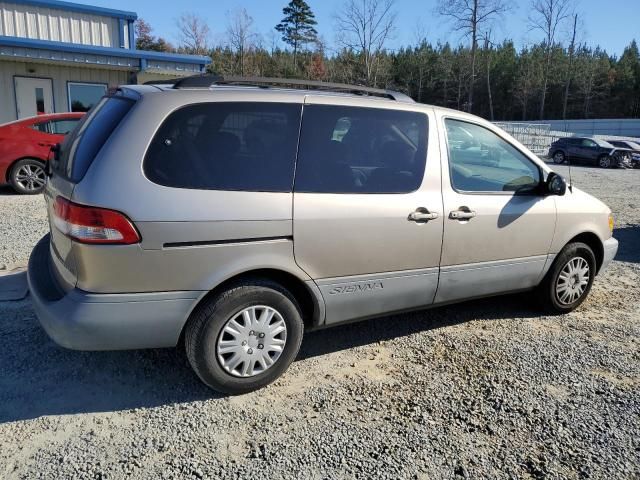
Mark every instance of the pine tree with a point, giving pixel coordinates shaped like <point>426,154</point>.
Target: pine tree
<point>297,26</point>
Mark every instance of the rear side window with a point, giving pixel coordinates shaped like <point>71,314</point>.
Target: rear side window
<point>361,150</point>
<point>226,146</point>
<point>82,145</point>
<point>63,127</point>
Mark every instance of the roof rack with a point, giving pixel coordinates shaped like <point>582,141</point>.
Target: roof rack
<point>207,80</point>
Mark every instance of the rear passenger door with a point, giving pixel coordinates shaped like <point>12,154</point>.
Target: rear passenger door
<point>368,206</point>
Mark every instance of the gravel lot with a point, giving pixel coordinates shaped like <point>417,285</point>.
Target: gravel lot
<point>486,389</point>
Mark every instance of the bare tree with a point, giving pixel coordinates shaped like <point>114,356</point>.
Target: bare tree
<point>572,51</point>
<point>364,26</point>
<point>469,17</point>
<point>240,34</point>
<point>547,17</point>
<point>488,47</point>
<point>193,33</point>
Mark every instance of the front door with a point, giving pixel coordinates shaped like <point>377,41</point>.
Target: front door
<point>499,226</point>
<point>587,152</point>
<point>367,207</point>
<point>34,96</point>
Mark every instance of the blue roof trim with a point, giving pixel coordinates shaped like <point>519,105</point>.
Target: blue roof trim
<point>77,7</point>
<point>112,52</point>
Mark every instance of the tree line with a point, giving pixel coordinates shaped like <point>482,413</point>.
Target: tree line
<point>558,76</point>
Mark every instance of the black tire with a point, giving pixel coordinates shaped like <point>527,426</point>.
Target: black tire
<point>559,157</point>
<point>604,161</point>
<point>31,185</point>
<point>208,320</point>
<point>548,298</point>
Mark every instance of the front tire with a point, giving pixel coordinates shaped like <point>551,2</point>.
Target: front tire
<point>559,157</point>
<point>245,337</point>
<point>569,280</point>
<point>28,176</point>
<point>604,161</point>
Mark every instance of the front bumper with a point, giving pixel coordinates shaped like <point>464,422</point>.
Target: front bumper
<point>86,321</point>
<point>610,250</point>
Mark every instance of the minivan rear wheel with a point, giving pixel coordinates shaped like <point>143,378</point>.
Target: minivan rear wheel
<point>244,338</point>
<point>569,279</point>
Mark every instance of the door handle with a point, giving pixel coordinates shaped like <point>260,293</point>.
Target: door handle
<point>462,214</point>
<point>43,144</point>
<point>422,215</point>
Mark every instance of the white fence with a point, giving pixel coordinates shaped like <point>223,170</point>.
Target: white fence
<point>538,137</point>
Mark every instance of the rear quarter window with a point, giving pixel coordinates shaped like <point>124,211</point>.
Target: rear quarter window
<point>81,146</point>
<point>241,146</point>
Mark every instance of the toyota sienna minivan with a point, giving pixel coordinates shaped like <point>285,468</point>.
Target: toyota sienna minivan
<point>234,214</point>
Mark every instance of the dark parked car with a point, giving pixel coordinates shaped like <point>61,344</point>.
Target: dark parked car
<point>590,151</point>
<point>633,146</point>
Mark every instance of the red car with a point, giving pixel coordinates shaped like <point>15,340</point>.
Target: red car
<point>25,146</point>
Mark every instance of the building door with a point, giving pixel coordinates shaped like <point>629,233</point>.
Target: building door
<point>34,96</point>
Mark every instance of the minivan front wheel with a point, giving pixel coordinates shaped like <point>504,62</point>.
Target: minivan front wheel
<point>245,337</point>
<point>569,280</point>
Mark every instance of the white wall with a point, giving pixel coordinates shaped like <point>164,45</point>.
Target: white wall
<point>58,25</point>
<point>60,75</point>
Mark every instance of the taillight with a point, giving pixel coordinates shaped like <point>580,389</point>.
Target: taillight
<point>92,224</point>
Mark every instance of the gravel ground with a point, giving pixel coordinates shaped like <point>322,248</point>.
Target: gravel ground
<point>23,221</point>
<point>486,389</point>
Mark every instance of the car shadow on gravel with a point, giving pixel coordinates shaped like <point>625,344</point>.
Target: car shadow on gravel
<point>629,243</point>
<point>322,342</point>
<point>40,378</point>
<point>7,190</point>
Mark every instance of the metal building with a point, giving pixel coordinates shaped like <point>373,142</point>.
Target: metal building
<point>58,56</point>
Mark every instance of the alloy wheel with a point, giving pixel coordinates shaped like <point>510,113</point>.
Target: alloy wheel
<point>30,177</point>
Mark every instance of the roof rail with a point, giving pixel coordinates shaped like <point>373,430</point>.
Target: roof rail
<point>207,80</point>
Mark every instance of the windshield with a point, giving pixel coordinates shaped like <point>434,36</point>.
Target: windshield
<point>602,143</point>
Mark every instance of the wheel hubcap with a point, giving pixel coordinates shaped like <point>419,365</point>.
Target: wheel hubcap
<point>251,341</point>
<point>558,157</point>
<point>572,281</point>
<point>30,177</point>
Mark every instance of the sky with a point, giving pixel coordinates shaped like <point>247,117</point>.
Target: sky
<point>612,24</point>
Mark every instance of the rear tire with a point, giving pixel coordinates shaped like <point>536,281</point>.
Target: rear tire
<point>226,329</point>
<point>28,176</point>
<point>569,280</point>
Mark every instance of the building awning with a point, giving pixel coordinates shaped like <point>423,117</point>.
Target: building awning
<point>45,51</point>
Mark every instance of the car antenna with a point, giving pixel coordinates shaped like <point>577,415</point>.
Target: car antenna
<point>570,181</point>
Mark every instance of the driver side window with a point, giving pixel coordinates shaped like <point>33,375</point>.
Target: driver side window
<point>481,161</point>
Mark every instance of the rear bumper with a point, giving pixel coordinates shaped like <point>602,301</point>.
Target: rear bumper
<point>85,321</point>
<point>610,250</point>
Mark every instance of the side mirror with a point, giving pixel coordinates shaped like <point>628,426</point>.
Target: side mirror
<point>556,185</point>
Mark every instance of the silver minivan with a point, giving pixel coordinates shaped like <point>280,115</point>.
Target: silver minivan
<point>234,214</point>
